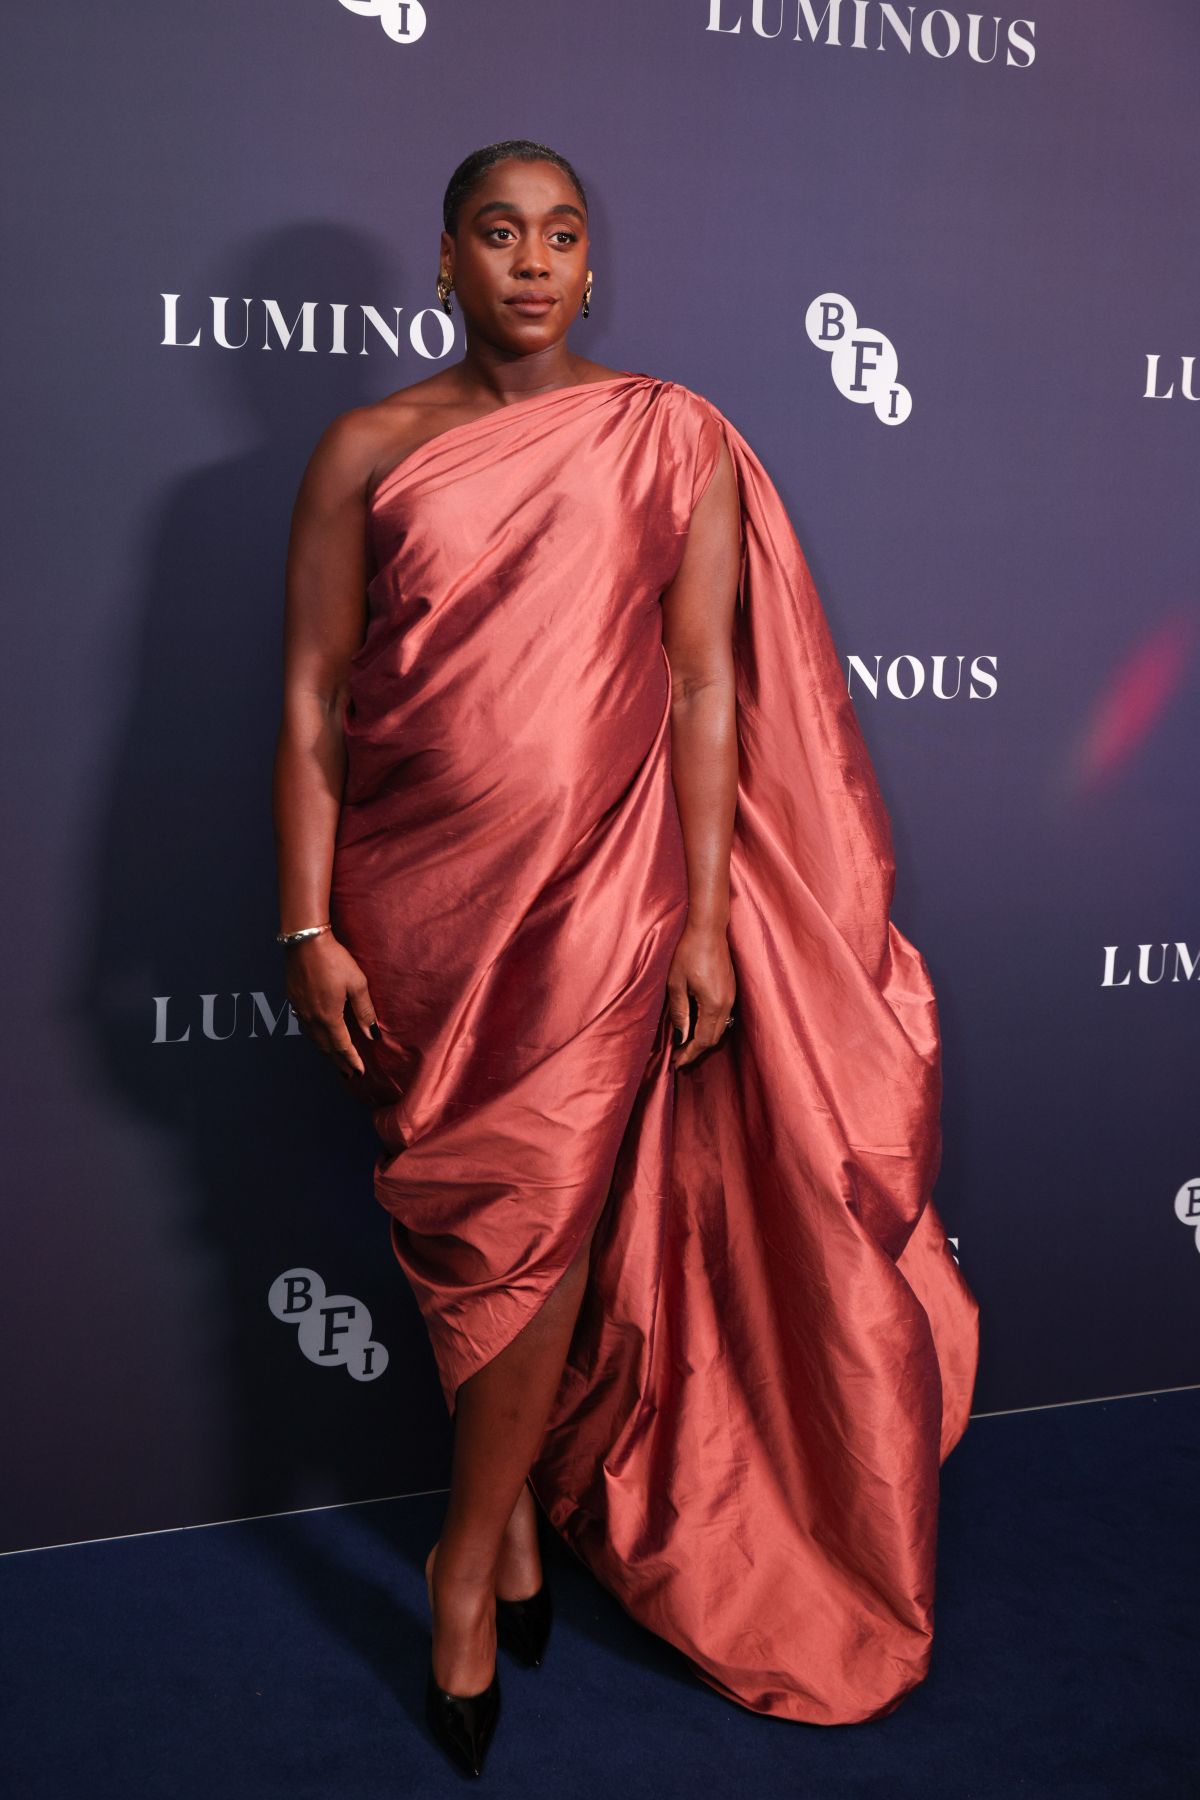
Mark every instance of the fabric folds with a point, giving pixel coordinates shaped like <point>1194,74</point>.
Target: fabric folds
<point>776,1348</point>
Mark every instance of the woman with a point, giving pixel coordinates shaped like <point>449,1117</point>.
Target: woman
<point>567,761</point>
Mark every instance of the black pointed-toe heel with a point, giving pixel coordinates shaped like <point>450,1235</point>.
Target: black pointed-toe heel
<point>463,1723</point>
<point>523,1626</point>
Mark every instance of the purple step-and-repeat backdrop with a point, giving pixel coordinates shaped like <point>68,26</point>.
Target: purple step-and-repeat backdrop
<point>939,268</point>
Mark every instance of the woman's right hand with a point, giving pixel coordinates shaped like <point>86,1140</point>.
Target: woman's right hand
<point>322,979</point>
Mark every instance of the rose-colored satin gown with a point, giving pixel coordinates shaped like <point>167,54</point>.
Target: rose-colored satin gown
<point>776,1348</point>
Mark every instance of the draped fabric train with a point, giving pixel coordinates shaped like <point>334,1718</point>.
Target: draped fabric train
<point>776,1348</point>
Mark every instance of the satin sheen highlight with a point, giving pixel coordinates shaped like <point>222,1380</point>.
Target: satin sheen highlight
<point>776,1349</point>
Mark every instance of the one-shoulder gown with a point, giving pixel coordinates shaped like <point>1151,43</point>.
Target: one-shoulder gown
<point>776,1348</point>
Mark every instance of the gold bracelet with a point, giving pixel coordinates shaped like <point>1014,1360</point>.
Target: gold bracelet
<point>298,937</point>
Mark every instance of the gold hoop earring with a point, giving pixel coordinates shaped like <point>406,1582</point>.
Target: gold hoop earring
<point>587,294</point>
<point>444,285</point>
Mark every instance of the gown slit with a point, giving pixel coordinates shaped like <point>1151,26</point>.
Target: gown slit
<point>589,1225</point>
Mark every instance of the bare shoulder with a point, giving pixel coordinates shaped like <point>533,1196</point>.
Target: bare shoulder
<point>341,463</point>
<point>359,444</point>
<point>399,424</point>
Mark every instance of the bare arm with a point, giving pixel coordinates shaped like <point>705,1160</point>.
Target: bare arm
<point>698,610</point>
<point>324,621</point>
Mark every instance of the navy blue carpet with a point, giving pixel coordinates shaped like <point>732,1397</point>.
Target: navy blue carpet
<point>286,1656</point>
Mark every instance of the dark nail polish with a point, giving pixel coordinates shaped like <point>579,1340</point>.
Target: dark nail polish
<point>375,1031</point>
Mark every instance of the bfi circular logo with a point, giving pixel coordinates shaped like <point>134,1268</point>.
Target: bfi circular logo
<point>403,20</point>
<point>863,361</point>
<point>1187,1207</point>
<point>334,1330</point>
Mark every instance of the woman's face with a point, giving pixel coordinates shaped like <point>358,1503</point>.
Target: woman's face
<point>519,262</point>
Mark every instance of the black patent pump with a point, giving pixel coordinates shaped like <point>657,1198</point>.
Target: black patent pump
<point>463,1724</point>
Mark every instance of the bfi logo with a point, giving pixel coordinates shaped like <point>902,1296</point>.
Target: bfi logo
<point>334,1330</point>
<point>862,361</point>
<point>402,20</point>
<point>1187,1207</point>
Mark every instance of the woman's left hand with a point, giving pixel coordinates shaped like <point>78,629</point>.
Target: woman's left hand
<point>701,967</point>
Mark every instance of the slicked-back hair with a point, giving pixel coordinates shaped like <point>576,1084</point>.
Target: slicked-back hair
<point>473,168</point>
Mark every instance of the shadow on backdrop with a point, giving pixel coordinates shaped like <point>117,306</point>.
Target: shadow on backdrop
<point>276,1156</point>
